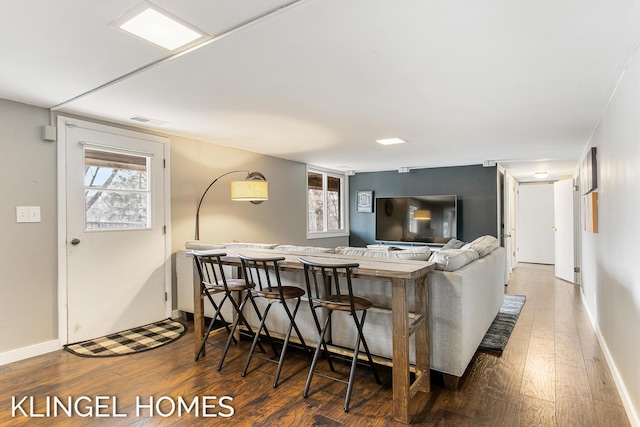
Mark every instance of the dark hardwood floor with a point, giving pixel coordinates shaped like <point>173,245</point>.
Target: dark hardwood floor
<point>552,373</point>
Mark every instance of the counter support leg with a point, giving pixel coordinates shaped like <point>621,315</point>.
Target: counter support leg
<point>401,379</point>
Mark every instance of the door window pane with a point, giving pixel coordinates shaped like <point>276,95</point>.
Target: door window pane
<point>116,188</point>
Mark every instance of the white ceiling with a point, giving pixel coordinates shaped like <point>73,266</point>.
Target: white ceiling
<point>318,81</point>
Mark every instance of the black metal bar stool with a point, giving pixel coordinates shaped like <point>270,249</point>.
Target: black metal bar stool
<point>329,295</point>
<point>214,281</point>
<point>263,277</point>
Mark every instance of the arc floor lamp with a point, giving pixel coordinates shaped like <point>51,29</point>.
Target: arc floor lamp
<point>254,188</point>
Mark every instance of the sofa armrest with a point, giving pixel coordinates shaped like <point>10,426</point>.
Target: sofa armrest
<point>462,305</point>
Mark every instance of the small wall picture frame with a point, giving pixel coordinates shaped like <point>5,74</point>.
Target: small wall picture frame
<point>590,212</point>
<point>364,201</point>
<point>589,172</point>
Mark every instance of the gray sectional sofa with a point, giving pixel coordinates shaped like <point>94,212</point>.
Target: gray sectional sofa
<point>465,294</point>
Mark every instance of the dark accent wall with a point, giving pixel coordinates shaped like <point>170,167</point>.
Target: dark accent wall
<point>475,186</point>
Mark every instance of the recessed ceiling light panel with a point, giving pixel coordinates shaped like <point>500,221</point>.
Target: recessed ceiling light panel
<point>390,141</point>
<point>156,25</point>
<point>541,174</point>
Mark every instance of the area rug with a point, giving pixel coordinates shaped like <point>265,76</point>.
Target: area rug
<point>500,330</point>
<point>131,341</point>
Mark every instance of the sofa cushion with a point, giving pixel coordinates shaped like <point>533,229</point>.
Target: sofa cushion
<point>483,245</point>
<point>199,245</point>
<point>354,251</point>
<point>294,248</point>
<point>453,244</point>
<point>239,245</point>
<point>453,259</point>
<point>421,253</point>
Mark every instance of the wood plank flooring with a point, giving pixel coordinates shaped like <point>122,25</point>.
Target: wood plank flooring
<point>552,373</point>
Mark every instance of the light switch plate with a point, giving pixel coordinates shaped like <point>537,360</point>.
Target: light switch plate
<point>34,214</point>
<point>22,213</point>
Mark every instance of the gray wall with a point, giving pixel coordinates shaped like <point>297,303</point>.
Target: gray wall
<point>475,186</point>
<point>28,253</point>
<point>610,274</point>
<point>281,219</point>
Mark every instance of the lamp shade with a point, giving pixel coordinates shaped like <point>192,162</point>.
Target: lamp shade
<point>249,190</point>
<point>422,215</point>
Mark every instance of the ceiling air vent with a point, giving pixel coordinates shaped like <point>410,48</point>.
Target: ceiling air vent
<point>148,120</point>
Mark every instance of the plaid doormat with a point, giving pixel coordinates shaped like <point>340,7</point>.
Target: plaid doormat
<point>131,341</point>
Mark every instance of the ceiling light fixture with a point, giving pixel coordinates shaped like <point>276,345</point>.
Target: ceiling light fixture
<point>541,174</point>
<point>156,25</point>
<point>390,141</point>
<point>205,41</point>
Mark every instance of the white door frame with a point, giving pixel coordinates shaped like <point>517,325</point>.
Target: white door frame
<point>563,229</point>
<point>577,231</point>
<point>62,123</point>
<point>509,214</point>
<point>535,235</point>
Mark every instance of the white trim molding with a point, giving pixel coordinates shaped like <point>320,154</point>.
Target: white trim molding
<point>344,179</point>
<point>30,351</point>
<point>62,123</point>
<point>627,402</point>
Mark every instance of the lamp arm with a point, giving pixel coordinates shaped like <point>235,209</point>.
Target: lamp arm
<point>197,235</point>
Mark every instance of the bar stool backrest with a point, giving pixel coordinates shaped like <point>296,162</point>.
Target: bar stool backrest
<point>256,273</point>
<point>210,269</point>
<point>333,278</point>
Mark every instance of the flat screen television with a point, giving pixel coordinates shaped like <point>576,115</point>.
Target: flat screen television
<point>418,219</point>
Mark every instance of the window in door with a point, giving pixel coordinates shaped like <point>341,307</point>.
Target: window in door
<point>117,191</point>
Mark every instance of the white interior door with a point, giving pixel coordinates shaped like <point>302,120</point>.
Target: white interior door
<point>115,234</point>
<point>535,223</point>
<point>510,220</point>
<point>563,229</point>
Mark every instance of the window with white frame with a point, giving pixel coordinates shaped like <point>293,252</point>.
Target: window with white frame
<point>117,190</point>
<point>326,197</point>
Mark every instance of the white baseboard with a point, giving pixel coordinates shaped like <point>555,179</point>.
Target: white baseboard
<point>176,314</point>
<point>27,352</point>
<point>632,413</point>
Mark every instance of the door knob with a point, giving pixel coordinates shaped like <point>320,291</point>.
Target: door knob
<point>75,241</point>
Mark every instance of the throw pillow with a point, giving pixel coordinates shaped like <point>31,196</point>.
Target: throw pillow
<point>483,245</point>
<point>453,244</point>
<point>453,259</point>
